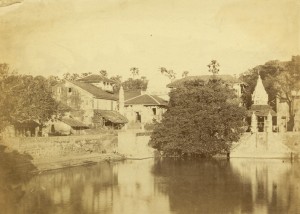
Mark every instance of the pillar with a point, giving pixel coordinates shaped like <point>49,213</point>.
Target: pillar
<point>269,123</point>
<point>253,123</point>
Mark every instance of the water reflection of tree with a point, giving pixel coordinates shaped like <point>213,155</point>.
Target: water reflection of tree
<point>72,190</point>
<point>15,170</point>
<point>207,186</point>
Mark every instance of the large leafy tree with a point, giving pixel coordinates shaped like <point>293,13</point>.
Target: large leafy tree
<point>202,119</point>
<point>25,97</point>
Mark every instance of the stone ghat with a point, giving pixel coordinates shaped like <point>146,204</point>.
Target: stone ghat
<point>49,149</point>
<point>266,145</point>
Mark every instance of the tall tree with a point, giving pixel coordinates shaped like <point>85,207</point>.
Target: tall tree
<point>213,67</point>
<point>135,72</point>
<point>201,120</point>
<point>168,73</point>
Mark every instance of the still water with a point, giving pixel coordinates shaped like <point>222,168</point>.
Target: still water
<point>156,186</point>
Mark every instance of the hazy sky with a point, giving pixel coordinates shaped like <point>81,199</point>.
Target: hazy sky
<point>51,37</point>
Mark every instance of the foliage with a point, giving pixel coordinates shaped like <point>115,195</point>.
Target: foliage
<point>135,72</point>
<point>135,84</point>
<point>118,80</point>
<point>201,120</point>
<point>280,80</point>
<point>213,67</point>
<point>168,73</point>
<point>103,73</point>
<point>75,76</point>
<point>185,74</point>
<point>25,97</point>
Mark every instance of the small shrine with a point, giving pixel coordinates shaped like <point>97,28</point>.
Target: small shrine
<point>263,117</point>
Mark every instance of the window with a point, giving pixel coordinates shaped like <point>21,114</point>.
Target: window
<point>154,111</point>
<point>70,90</point>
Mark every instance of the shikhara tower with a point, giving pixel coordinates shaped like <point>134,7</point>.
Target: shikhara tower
<point>261,113</point>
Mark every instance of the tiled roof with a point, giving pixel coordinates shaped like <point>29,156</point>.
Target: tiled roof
<point>146,99</point>
<point>94,78</point>
<point>226,78</point>
<point>130,94</point>
<point>95,91</point>
<point>261,110</point>
<point>74,123</point>
<point>112,116</point>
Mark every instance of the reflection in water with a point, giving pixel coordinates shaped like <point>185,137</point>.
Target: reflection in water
<point>161,186</point>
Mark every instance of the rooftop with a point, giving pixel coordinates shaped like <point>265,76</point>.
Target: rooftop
<point>95,78</point>
<point>112,116</point>
<point>95,91</point>
<point>146,99</point>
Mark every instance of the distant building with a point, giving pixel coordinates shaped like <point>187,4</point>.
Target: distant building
<point>91,100</point>
<point>140,107</point>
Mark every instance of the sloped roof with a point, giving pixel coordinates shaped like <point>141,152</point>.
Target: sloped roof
<point>95,91</point>
<point>74,123</point>
<point>261,110</point>
<point>95,78</point>
<point>146,99</point>
<point>226,78</point>
<point>131,94</point>
<point>112,116</point>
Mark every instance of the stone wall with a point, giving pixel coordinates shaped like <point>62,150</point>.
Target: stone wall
<point>62,146</point>
<point>134,144</point>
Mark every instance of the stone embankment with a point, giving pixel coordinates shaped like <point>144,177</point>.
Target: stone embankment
<point>65,151</point>
<point>267,145</point>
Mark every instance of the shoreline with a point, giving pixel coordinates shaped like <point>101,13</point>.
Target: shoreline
<point>44,165</point>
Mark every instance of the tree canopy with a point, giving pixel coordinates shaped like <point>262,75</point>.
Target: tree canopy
<point>25,97</point>
<point>202,119</point>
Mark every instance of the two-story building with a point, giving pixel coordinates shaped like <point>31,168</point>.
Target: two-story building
<point>91,100</point>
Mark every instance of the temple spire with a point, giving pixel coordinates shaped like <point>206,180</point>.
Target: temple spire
<point>260,96</point>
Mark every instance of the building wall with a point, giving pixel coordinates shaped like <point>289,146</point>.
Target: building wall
<point>104,85</point>
<point>82,102</point>
<point>146,113</point>
<point>105,104</point>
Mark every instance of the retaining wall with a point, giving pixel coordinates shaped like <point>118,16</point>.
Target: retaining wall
<point>62,146</point>
<point>134,144</point>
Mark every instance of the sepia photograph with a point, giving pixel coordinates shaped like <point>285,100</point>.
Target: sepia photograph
<point>149,107</point>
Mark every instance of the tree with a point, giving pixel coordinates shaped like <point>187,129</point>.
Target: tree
<point>168,73</point>
<point>118,80</point>
<point>25,97</point>
<point>71,77</point>
<point>213,67</point>
<point>201,120</point>
<point>135,84</point>
<point>135,72</point>
<point>103,73</point>
<point>286,82</point>
<point>185,74</point>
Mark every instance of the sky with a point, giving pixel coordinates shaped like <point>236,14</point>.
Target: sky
<point>52,37</point>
